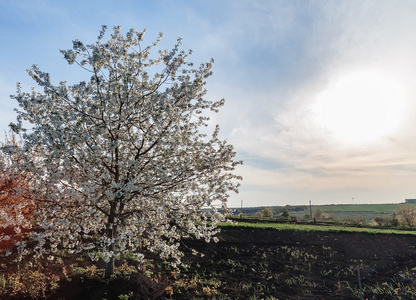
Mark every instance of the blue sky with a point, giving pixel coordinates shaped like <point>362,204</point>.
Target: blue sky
<point>320,95</point>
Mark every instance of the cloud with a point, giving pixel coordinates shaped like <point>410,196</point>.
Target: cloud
<point>345,36</point>
<point>273,59</point>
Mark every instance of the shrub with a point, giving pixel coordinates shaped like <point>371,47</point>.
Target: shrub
<point>16,204</point>
<point>28,281</point>
<point>406,215</point>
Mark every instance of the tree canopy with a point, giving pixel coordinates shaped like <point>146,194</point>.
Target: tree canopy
<point>119,162</point>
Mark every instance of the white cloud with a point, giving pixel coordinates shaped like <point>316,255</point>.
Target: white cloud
<point>273,58</point>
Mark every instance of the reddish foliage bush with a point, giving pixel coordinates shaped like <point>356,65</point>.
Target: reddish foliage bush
<point>16,203</point>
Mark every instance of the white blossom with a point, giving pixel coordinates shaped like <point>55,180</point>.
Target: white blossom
<point>121,155</point>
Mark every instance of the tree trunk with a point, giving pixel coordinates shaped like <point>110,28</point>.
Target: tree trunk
<point>109,268</point>
<point>110,265</point>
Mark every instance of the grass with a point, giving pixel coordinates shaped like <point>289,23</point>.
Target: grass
<point>323,228</point>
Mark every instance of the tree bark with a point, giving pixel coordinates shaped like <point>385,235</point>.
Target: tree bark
<point>110,265</point>
<point>109,268</point>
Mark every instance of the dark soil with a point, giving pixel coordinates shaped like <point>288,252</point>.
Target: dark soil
<point>308,265</point>
<point>269,264</point>
<point>136,286</point>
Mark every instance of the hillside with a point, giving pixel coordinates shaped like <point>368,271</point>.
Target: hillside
<point>355,213</point>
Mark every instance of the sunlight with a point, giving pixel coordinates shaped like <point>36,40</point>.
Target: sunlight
<point>361,107</point>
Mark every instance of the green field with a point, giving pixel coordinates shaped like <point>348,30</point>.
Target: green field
<point>323,228</point>
<point>364,213</point>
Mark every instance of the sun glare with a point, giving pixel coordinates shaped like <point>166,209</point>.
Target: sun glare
<point>361,107</point>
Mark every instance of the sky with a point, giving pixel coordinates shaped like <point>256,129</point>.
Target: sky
<point>320,96</point>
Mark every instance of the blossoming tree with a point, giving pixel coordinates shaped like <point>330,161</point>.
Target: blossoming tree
<point>121,164</point>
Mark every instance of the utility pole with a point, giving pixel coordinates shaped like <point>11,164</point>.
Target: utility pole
<point>241,209</point>
<point>310,208</point>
